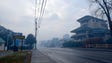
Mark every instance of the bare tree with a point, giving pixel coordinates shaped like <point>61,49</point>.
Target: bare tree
<point>104,9</point>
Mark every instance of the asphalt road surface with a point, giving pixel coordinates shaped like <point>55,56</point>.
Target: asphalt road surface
<point>65,55</point>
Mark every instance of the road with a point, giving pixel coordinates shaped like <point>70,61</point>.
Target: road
<point>65,55</point>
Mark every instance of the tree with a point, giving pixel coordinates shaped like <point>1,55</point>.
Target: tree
<point>30,41</point>
<point>104,9</point>
<point>6,35</point>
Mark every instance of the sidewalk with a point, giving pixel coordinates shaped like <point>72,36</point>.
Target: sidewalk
<point>38,57</point>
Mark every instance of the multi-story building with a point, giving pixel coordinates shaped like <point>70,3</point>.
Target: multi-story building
<point>92,30</point>
<point>90,27</point>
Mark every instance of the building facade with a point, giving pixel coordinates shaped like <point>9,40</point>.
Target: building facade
<point>93,31</point>
<point>90,27</point>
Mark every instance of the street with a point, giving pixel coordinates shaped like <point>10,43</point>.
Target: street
<point>65,55</point>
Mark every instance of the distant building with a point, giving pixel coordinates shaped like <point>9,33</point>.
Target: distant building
<point>93,32</point>
<point>2,44</point>
<point>66,37</point>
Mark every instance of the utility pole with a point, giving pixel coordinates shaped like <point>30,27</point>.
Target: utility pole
<point>39,16</point>
<point>36,32</point>
<point>35,23</point>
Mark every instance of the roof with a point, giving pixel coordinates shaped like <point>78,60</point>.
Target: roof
<point>87,18</point>
<point>1,41</point>
<point>80,35</point>
<point>86,28</point>
<point>83,28</point>
<point>100,30</point>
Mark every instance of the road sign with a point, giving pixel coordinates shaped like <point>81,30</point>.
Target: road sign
<point>19,37</point>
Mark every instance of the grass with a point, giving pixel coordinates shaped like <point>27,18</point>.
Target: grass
<point>17,57</point>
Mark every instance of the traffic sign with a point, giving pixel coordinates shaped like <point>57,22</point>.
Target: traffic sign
<point>19,37</point>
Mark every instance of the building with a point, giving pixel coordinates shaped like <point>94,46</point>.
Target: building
<point>92,31</point>
<point>2,44</point>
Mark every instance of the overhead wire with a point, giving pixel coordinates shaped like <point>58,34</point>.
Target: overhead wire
<point>39,11</point>
<point>41,16</point>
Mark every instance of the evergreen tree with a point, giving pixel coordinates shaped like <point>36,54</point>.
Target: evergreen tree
<point>30,41</point>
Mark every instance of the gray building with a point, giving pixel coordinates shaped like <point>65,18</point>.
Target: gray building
<point>91,27</point>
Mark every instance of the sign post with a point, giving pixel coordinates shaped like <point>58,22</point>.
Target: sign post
<point>18,37</point>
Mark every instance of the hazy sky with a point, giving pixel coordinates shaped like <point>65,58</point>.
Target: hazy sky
<point>59,18</point>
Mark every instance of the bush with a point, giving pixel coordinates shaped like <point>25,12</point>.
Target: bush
<point>17,57</point>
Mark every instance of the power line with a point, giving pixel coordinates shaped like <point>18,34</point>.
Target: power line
<point>41,16</point>
<point>41,9</point>
<point>38,16</point>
